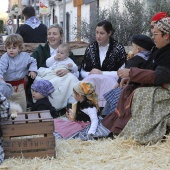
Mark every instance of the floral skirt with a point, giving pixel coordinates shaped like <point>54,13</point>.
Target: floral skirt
<point>1,150</point>
<point>150,111</point>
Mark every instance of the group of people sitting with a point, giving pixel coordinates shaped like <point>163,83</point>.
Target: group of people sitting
<point>116,96</point>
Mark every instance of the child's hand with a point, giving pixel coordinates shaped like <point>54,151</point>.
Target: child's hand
<point>32,74</point>
<point>130,55</point>
<point>70,65</point>
<point>56,57</point>
<point>70,115</point>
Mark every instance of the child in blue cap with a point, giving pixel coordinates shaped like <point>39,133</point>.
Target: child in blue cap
<point>41,89</point>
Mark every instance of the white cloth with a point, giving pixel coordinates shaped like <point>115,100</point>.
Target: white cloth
<point>92,113</point>
<point>50,60</point>
<point>109,73</point>
<point>65,63</point>
<point>103,83</point>
<point>102,52</point>
<point>63,85</point>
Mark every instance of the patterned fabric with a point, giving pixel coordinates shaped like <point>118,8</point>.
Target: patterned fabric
<point>149,117</point>
<point>1,150</point>
<point>4,108</point>
<point>44,87</point>
<point>4,115</point>
<point>6,89</point>
<point>164,25</point>
<point>33,22</point>
<point>87,89</point>
<point>83,134</point>
<point>115,57</point>
<point>112,98</point>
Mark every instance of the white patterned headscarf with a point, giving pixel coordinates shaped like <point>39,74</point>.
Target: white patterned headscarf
<point>164,25</point>
<point>33,22</point>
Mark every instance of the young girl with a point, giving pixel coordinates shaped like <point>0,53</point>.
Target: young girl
<point>84,121</point>
<point>15,65</point>
<point>41,89</point>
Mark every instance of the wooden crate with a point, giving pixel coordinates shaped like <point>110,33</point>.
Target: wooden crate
<point>29,135</point>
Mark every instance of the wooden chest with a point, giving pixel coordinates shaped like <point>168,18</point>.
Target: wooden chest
<point>29,135</point>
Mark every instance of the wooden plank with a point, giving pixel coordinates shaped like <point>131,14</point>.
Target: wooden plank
<point>26,117</point>
<point>46,116</point>
<point>41,154</point>
<point>19,119</point>
<point>29,144</point>
<point>33,117</point>
<point>28,129</point>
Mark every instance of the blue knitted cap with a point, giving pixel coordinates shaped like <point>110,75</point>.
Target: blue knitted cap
<point>44,87</point>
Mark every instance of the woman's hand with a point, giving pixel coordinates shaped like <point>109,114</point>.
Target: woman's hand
<point>32,74</point>
<point>62,72</point>
<point>124,81</point>
<point>122,73</point>
<point>95,71</point>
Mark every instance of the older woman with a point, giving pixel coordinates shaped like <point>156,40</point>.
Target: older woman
<point>143,112</point>
<point>102,59</point>
<point>64,79</point>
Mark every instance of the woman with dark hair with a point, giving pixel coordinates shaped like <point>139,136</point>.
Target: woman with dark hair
<point>33,31</point>
<point>102,59</point>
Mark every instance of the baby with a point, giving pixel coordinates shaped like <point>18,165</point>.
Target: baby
<point>62,59</point>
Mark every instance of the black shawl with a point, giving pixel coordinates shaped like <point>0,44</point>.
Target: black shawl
<point>115,57</point>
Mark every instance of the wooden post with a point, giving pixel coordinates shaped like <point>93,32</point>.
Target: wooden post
<point>78,3</point>
<point>79,23</point>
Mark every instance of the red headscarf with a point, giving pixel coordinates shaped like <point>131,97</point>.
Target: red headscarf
<point>159,16</point>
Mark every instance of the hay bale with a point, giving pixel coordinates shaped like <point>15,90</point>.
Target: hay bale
<point>117,154</point>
